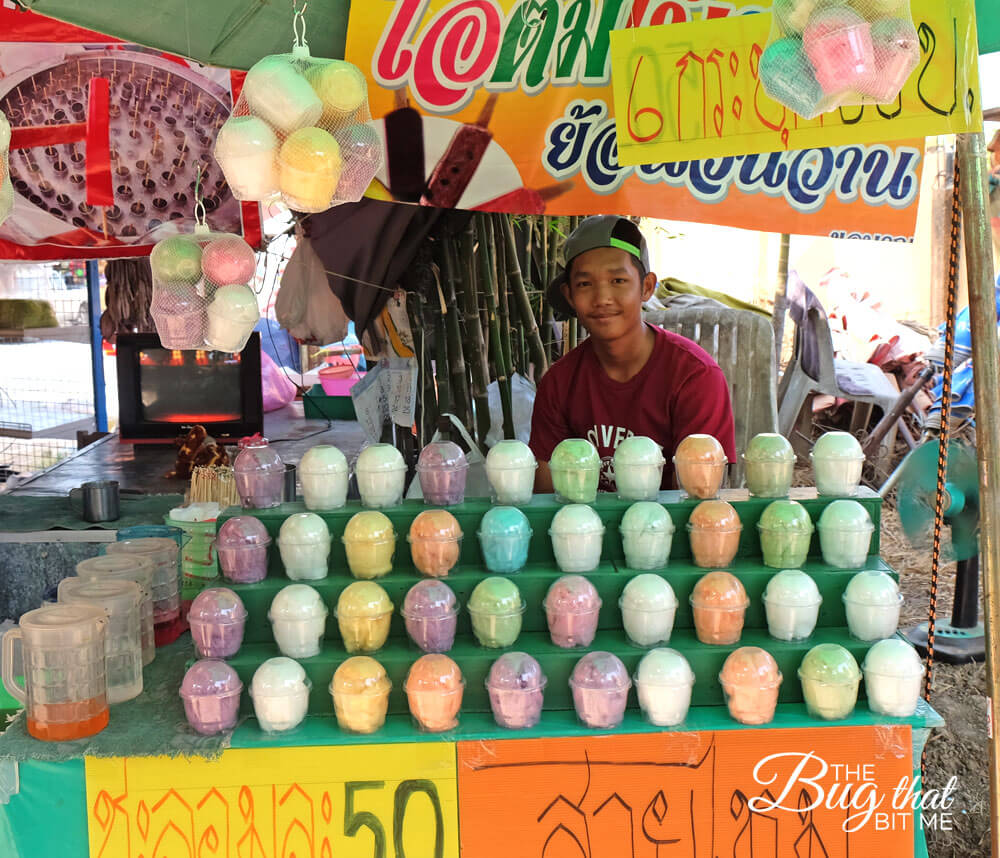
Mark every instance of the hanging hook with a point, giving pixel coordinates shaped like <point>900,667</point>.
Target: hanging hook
<point>199,206</point>
<point>299,22</point>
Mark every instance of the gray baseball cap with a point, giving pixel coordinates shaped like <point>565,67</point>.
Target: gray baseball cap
<point>592,233</point>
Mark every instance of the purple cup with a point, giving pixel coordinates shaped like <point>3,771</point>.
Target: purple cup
<point>430,612</point>
<point>211,693</point>
<point>259,474</point>
<point>442,468</point>
<point>572,608</point>
<point>241,545</point>
<point>217,618</point>
<point>516,687</point>
<point>600,684</point>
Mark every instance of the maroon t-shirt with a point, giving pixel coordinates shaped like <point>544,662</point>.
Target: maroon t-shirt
<point>679,392</point>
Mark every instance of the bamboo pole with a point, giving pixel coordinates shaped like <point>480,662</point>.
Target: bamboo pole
<point>499,257</point>
<point>529,327</point>
<point>488,284</point>
<point>456,355</point>
<point>441,352</point>
<point>476,347</point>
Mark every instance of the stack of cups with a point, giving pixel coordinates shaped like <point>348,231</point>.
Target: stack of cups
<point>139,570</point>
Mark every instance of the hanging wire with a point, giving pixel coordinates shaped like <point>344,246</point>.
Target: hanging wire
<point>299,24</point>
<point>200,214</point>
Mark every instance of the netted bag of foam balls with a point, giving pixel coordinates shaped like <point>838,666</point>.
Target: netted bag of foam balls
<point>301,131</point>
<point>202,298</point>
<point>824,54</point>
<point>6,187</point>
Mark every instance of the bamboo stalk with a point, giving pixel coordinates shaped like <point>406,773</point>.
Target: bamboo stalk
<point>529,326</point>
<point>499,258</point>
<point>456,354</point>
<point>427,401</point>
<point>475,345</point>
<point>488,284</point>
<point>441,353</point>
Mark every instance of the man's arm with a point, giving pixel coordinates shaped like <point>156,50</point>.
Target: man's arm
<point>543,480</point>
<point>548,428</point>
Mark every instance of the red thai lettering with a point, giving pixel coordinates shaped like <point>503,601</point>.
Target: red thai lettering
<point>393,60</point>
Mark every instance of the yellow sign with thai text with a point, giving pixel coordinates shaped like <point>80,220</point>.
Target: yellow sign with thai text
<point>693,91</point>
<point>357,801</point>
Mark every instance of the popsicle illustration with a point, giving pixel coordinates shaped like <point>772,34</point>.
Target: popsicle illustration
<point>525,200</point>
<point>459,163</point>
<point>404,146</point>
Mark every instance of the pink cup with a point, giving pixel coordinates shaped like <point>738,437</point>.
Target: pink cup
<point>839,45</point>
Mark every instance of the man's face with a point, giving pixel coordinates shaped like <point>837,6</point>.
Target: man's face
<point>606,291</point>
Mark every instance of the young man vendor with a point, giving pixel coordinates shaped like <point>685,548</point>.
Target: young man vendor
<point>628,377</point>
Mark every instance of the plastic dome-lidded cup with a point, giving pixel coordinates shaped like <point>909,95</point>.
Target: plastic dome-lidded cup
<point>837,462</point>
<point>504,537</point>
<point>217,619</point>
<point>259,474</point>
<point>785,533</point>
<point>872,602</point>
<point>304,544</point>
<point>496,609</point>
<point>211,694</point>
<point>838,42</point>
<point>751,681</point>
<point>791,603</point>
<point>510,468</point>
<point>577,534</point>
<point>600,684</point>
<point>360,690</point>
<point>434,688</point>
<point>232,316</point>
<point>516,688</point>
<point>310,165</point>
<point>845,534</point>
<point>381,474</point>
<point>323,472</point>
<point>128,567</point>
<point>663,685</point>
<point>430,612</point>
<point>280,692</point>
<point>442,469</point>
<point>247,150</point>
<point>638,462</point>
<point>719,604</point>
<point>369,543</point>
<point>435,539</point>
<point>364,614</point>
<point>278,94</point>
<point>241,545</point>
<point>700,465</point>
<point>575,465</point>
<point>789,78</point>
<point>298,620</point>
<point>897,53</point>
<point>572,610</point>
<point>714,530</point>
<point>770,465</point>
<point>648,606</point>
<point>647,535</point>
<point>893,678</point>
<point>830,677</point>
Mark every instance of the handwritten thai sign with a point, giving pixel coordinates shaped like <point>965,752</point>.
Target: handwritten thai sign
<point>836,792</point>
<point>694,91</point>
<point>360,801</point>
<point>506,105</point>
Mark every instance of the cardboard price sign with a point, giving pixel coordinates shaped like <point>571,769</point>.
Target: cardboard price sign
<point>693,91</point>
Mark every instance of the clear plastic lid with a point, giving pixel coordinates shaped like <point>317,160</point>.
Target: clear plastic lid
<point>369,526</point>
<point>429,599</point>
<point>504,521</point>
<point>750,665</point>
<point>648,592</point>
<point>360,674</point>
<point>792,588</point>
<point>244,531</point>
<point>576,454</point>
<point>323,459</point>
<point>442,456</point>
<point>510,454</point>
<point>830,664</point>
<point>304,528</point>
<point>715,515</point>
<point>114,596</point>
<point>646,517</point>
<point>873,587</point>
<point>576,519</point>
<point>837,446</point>
<point>664,667</point>
<point>363,599</point>
<point>434,672</point>
<point>639,450</point>
<point>769,448</point>
<point>157,548</point>
<point>297,602</point>
<point>235,303</point>
<point>64,625</point>
<point>516,671</point>
<point>279,677</point>
<point>379,458</point>
<point>435,524</point>
<point>217,605</point>
<point>847,515</point>
<point>893,657</point>
<point>210,677</point>
<point>719,590</point>
<point>496,596</point>
<point>786,516</point>
<point>255,456</point>
<point>601,671</point>
<point>572,594</point>
<point>114,565</point>
<point>700,449</point>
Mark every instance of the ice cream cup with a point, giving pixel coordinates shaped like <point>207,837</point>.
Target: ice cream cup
<point>577,535</point>
<point>510,468</point>
<point>280,693</point>
<point>769,479</point>
<point>298,620</point>
<point>663,684</point>
<point>700,465</point>
<point>211,694</point>
<point>231,318</point>
<point>360,691</point>
<point>638,465</point>
<point>751,681</point>
<point>244,564</point>
<point>369,543</point>
<point>791,604</point>
<point>837,461</point>
<point>363,614</point>
<point>846,548</point>
<point>504,553</point>
<point>247,150</point>
<point>381,476</point>
<point>647,536</point>
<point>309,168</point>
<point>434,687</point>
<point>789,78</point>
<point>435,556</point>
<point>838,43</point>
<point>830,678</point>
<point>897,54</point>
<point>575,466</point>
<point>648,606</point>
<point>323,472</point>
<point>516,688</point>
<point>433,633</point>
<point>714,548</point>
<point>874,619</point>
<point>600,684</point>
<point>442,469</point>
<point>217,619</point>
<point>304,545</point>
<point>785,534</point>
<point>721,626</point>
<point>497,629</point>
<point>572,610</point>
<point>276,92</point>
<point>893,678</point>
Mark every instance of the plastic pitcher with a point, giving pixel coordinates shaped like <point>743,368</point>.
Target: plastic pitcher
<point>62,653</point>
<point>163,551</point>
<point>124,567</point>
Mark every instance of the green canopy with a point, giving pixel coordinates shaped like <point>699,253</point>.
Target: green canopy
<point>988,21</point>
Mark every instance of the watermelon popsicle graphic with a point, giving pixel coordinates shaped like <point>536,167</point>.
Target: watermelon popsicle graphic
<point>459,163</point>
<point>526,201</point>
<point>404,146</point>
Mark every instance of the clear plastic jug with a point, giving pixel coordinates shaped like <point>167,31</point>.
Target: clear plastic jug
<point>164,552</point>
<point>123,567</point>
<point>122,648</point>
<point>62,653</point>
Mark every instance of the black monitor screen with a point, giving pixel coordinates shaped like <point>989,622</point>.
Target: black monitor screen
<point>189,386</point>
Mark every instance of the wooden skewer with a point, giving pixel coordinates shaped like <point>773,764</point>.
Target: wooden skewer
<point>486,114</point>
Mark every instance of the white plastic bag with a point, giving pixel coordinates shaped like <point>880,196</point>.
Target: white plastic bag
<point>306,306</point>
<point>522,394</point>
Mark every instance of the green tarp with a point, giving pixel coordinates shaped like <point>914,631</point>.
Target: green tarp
<point>988,22</point>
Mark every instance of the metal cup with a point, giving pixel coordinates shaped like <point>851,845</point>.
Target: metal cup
<point>289,490</point>
<point>96,501</point>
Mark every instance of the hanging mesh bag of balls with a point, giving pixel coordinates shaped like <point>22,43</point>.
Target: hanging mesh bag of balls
<point>823,54</point>
<point>201,293</point>
<point>301,131</point>
<point>6,188</point>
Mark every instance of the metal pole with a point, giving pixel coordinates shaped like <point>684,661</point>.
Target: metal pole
<point>982,311</point>
<point>96,349</point>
